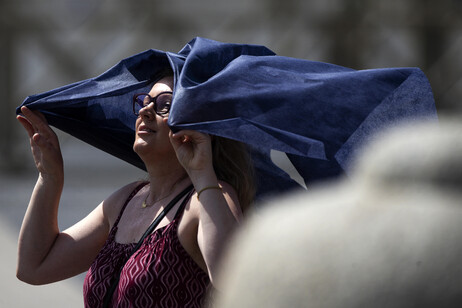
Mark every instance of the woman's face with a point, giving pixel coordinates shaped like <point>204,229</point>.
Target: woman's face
<point>151,129</point>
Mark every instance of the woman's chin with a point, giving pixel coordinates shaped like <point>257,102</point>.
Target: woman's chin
<point>147,149</point>
<point>140,147</point>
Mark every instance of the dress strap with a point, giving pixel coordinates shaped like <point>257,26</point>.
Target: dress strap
<point>130,197</point>
<point>179,212</point>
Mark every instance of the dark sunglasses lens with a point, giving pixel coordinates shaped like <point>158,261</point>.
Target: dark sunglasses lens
<point>140,101</point>
<point>163,103</point>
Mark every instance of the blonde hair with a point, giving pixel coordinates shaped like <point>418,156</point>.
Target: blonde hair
<point>233,165</point>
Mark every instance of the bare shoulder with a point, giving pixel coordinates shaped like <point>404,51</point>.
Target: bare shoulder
<point>113,204</point>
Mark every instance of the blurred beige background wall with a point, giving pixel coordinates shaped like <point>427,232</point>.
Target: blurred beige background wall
<point>49,43</point>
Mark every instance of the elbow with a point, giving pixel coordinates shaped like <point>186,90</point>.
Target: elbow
<point>27,276</point>
<point>22,276</point>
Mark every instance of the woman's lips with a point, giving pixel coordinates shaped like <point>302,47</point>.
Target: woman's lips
<point>145,129</point>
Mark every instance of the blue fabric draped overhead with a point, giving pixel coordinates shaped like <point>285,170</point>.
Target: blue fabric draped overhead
<point>319,114</point>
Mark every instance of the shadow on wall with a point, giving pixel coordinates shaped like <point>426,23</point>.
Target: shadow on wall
<point>389,237</point>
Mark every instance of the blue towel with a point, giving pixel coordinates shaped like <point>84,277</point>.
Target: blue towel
<point>318,114</point>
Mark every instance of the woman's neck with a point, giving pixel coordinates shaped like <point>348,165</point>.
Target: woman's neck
<point>165,179</point>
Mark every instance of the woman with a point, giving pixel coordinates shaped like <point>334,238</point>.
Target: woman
<point>176,264</point>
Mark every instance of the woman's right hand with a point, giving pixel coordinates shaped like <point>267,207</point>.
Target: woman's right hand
<point>44,144</point>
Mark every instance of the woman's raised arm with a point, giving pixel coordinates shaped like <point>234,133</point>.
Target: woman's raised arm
<point>218,206</point>
<point>44,253</point>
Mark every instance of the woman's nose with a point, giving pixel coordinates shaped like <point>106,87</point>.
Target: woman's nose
<point>148,110</point>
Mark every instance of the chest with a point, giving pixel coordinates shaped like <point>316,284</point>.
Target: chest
<point>135,220</point>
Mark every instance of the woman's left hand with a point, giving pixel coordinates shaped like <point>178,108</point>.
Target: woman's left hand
<point>193,150</point>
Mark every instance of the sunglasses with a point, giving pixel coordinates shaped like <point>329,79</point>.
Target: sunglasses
<point>162,103</point>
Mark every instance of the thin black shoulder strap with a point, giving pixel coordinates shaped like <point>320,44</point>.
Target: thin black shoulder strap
<point>152,227</point>
<point>161,216</point>
<point>130,197</point>
<point>183,204</point>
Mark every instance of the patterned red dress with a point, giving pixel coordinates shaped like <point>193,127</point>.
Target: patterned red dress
<point>160,274</point>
